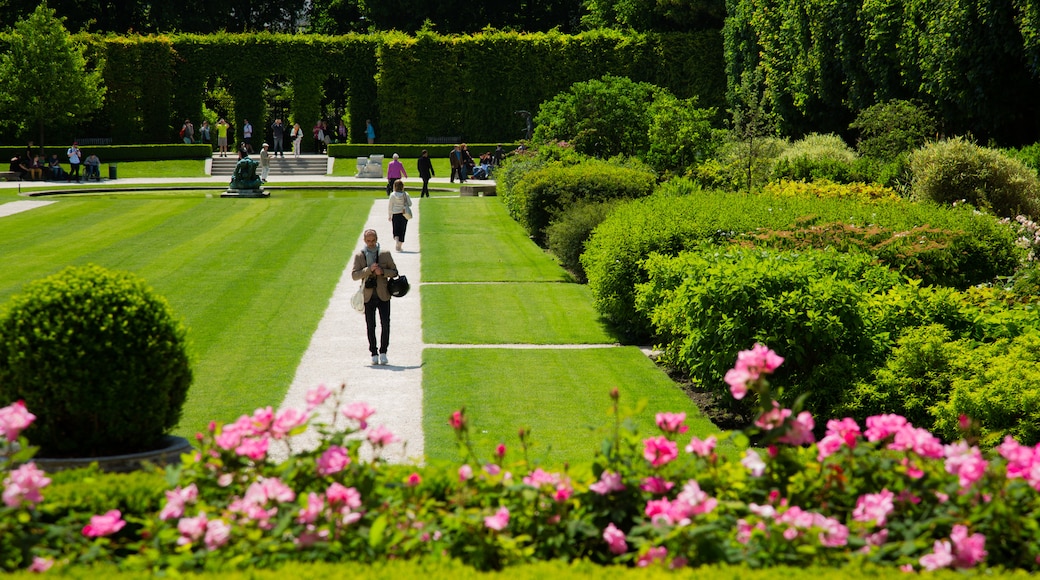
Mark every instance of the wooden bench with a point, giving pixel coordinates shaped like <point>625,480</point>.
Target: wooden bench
<point>9,175</point>
<point>485,189</point>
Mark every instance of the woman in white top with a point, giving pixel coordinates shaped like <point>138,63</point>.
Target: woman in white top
<point>400,210</point>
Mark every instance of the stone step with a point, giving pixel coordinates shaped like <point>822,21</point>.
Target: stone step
<point>304,165</point>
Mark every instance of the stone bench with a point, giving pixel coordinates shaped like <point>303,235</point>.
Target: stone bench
<point>486,189</point>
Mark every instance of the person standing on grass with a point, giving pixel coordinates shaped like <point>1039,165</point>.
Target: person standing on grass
<point>425,172</point>
<point>400,202</point>
<point>394,172</point>
<point>375,267</point>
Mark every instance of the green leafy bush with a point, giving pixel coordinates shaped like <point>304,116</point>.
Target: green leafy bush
<point>957,170</point>
<point>544,193</point>
<point>99,357</point>
<point>601,117</point>
<point>823,188</point>
<point>681,216</point>
<point>738,162</point>
<point>889,129</point>
<point>680,135</point>
<point>816,157</point>
<point>566,236</point>
<point>709,305</point>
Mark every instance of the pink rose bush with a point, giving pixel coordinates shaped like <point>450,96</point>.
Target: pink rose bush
<point>883,493</point>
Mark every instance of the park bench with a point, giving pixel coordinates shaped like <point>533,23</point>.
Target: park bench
<point>8,175</point>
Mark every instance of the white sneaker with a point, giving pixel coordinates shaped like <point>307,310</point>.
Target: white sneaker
<point>399,246</point>
<point>375,359</point>
<point>382,359</point>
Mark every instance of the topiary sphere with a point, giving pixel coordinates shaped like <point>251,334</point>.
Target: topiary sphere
<point>98,358</point>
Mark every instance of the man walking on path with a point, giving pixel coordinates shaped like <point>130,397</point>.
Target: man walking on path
<point>393,390</point>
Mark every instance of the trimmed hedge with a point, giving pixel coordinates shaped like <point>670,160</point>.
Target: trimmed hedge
<point>409,150</point>
<point>116,153</point>
<point>681,216</point>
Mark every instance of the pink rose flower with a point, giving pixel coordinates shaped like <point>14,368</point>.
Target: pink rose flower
<point>457,420</point>
<point>316,396</point>
<point>653,555</point>
<point>659,450</point>
<point>14,418</point>
<point>703,448</point>
<point>104,525</point>
<point>286,421</point>
<point>874,507</point>
<point>656,485</point>
<point>217,534</point>
<point>499,520</point>
<point>333,460</point>
<point>615,539</point>
<point>176,499</point>
<point>500,450</point>
<point>970,550</point>
<point>671,422</point>
<point>941,556</point>
<point>413,480</point>
<point>40,565</point>
<point>465,472</point>
<point>381,436</point>
<point>753,463</point>
<point>609,482</point>
<point>23,485</point>
<point>965,462</point>
<point>311,510</point>
<point>360,412</point>
<point>254,448</point>
<point>339,494</point>
<point>191,529</point>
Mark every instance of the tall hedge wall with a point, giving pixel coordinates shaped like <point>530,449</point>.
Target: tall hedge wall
<point>412,87</point>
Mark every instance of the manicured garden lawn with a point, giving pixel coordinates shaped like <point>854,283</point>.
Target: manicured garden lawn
<point>561,395</point>
<point>250,278</point>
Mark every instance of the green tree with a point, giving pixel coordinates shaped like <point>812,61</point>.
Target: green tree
<point>601,117</point>
<point>654,15</point>
<point>47,80</point>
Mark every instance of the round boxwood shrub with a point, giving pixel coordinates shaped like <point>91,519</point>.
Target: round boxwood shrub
<point>98,358</point>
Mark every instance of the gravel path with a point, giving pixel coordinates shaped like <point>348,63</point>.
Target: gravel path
<point>338,351</point>
<point>13,207</point>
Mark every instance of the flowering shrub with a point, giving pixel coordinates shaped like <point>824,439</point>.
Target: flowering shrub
<point>885,492</point>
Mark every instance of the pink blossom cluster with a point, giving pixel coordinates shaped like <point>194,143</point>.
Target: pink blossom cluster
<point>960,551</point>
<point>339,505</point>
<point>660,450</point>
<point>704,447</point>
<point>751,365</point>
<point>214,533</point>
<point>1022,461</point>
<point>795,523</point>
<point>691,501</point>
<point>874,507</point>
<point>560,484</point>
<point>23,486</point>
<point>845,432</point>
<point>14,418</point>
<point>965,461</point>
<point>261,500</point>
<point>250,436</point>
<point>797,431</point>
<point>177,500</point>
<point>499,520</point>
<point>671,422</point>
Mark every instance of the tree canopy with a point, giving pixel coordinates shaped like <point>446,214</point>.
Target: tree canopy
<point>46,76</point>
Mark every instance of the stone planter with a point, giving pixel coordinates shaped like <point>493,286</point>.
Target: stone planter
<point>168,454</point>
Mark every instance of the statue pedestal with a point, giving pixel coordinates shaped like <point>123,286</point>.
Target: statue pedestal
<point>233,192</point>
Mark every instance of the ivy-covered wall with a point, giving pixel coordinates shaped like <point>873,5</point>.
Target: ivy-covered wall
<point>412,87</point>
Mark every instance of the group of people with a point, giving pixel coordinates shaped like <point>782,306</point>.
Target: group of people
<point>29,165</point>
<point>322,133</point>
<point>463,166</point>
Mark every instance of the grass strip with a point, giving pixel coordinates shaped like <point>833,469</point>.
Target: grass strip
<point>473,239</point>
<point>533,313</point>
<point>561,395</point>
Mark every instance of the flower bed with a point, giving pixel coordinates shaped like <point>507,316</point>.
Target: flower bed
<point>890,495</point>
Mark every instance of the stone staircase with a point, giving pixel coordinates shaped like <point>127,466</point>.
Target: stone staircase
<point>304,165</point>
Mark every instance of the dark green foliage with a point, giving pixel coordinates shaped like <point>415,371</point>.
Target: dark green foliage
<point>890,129</point>
<point>543,194</point>
<point>681,216</point>
<point>99,359</point>
<point>680,134</point>
<point>566,236</point>
<point>91,491</point>
<point>601,117</point>
<point>957,170</point>
<point>116,153</point>
<point>810,307</point>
